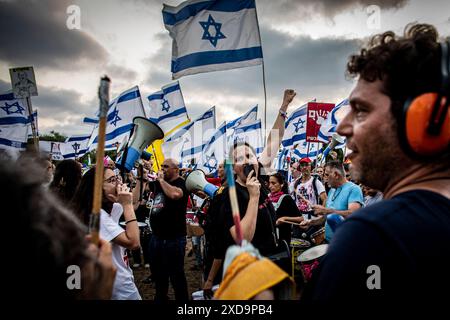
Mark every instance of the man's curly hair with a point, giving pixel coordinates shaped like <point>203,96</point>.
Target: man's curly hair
<point>408,65</point>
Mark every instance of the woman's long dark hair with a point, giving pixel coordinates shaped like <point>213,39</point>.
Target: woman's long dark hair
<point>84,197</point>
<point>66,179</point>
<point>282,181</point>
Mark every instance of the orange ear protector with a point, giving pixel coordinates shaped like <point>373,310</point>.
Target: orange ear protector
<point>425,129</point>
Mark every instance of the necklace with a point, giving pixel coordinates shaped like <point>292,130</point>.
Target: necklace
<point>336,193</point>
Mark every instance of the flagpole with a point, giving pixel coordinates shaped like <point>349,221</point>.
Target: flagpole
<point>33,127</point>
<point>264,80</point>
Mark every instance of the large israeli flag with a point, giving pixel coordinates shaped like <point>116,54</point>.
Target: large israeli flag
<point>120,116</point>
<point>212,35</point>
<point>295,127</point>
<point>252,134</point>
<point>214,151</point>
<point>249,116</point>
<point>167,108</point>
<point>15,123</point>
<point>187,143</point>
<point>75,146</point>
<point>335,116</point>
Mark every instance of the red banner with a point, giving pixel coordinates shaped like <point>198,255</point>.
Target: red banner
<point>317,113</point>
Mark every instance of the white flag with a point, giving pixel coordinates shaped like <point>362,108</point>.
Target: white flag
<point>212,35</point>
<point>167,108</point>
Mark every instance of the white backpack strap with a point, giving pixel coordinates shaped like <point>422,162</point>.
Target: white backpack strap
<point>276,205</point>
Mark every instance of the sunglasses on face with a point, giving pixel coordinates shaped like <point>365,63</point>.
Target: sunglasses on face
<point>113,179</point>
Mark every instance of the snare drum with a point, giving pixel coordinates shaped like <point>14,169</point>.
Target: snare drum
<point>318,237</point>
<point>298,246</point>
<point>310,259</point>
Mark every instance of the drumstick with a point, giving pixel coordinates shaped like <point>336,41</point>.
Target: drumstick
<point>233,200</point>
<point>94,223</point>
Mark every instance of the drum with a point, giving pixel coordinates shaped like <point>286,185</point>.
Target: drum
<point>318,237</point>
<point>310,260</point>
<point>298,246</point>
<point>194,229</point>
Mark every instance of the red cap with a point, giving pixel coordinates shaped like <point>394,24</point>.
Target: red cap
<point>305,160</point>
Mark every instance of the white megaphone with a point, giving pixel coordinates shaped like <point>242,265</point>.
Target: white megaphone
<point>335,140</point>
<point>196,181</point>
<point>144,133</point>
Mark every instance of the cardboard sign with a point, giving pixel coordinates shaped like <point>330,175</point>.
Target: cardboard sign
<point>317,112</point>
<point>23,82</point>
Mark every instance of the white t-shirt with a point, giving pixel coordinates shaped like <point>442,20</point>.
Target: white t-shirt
<point>124,287</point>
<point>306,190</point>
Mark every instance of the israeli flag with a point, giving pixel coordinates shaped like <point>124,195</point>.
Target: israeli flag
<point>212,35</point>
<point>15,122</point>
<point>249,116</point>
<point>295,127</point>
<point>167,108</point>
<point>75,146</point>
<point>92,121</point>
<point>301,150</point>
<point>187,143</point>
<point>334,117</point>
<point>252,134</point>
<point>120,116</point>
<point>214,151</point>
<point>281,162</point>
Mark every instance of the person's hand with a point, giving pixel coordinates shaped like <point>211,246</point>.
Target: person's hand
<point>289,95</point>
<point>160,175</point>
<point>305,224</point>
<point>124,196</point>
<point>106,274</point>
<point>253,185</point>
<point>207,290</point>
<point>320,210</point>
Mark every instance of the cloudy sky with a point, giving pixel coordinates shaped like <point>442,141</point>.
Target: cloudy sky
<point>306,44</point>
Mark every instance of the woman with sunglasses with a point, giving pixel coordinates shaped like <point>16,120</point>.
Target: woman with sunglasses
<point>117,200</point>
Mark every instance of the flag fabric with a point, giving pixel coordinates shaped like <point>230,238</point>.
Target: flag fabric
<point>187,143</point>
<point>252,134</point>
<point>295,127</point>
<point>335,116</point>
<point>214,151</point>
<point>301,150</point>
<point>212,35</point>
<point>167,108</point>
<point>120,116</point>
<point>15,123</point>
<point>249,116</point>
<point>75,146</point>
<point>281,159</point>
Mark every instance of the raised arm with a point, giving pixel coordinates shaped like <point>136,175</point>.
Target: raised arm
<point>277,132</point>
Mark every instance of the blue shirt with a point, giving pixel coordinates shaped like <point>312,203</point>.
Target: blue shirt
<point>340,198</point>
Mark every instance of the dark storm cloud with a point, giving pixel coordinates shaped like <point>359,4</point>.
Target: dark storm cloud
<point>35,33</point>
<point>294,9</point>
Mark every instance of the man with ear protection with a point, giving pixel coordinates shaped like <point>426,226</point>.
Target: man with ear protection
<point>398,130</point>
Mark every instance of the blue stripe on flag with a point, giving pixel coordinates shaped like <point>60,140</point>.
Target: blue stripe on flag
<point>90,120</point>
<point>191,10</point>
<point>171,115</point>
<point>192,151</point>
<point>12,143</point>
<point>215,57</point>
<point>116,133</point>
<point>14,120</point>
<point>295,115</point>
<point>293,140</point>
<point>245,128</point>
<point>170,89</point>
<point>156,96</point>
<point>129,96</point>
<point>7,96</point>
<point>79,154</point>
<point>78,138</point>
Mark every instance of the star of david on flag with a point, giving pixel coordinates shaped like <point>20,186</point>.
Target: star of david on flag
<point>206,30</point>
<point>212,35</point>
<point>8,108</point>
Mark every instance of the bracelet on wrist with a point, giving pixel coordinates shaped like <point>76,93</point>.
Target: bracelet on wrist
<point>283,113</point>
<point>127,222</point>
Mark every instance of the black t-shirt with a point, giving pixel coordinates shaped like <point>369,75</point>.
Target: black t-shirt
<point>168,217</point>
<point>264,238</point>
<point>287,208</point>
<point>407,238</point>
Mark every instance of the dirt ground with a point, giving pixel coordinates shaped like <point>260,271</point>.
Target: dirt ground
<point>193,277</point>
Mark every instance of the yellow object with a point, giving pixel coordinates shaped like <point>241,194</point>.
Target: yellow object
<point>248,276</point>
<point>156,147</point>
